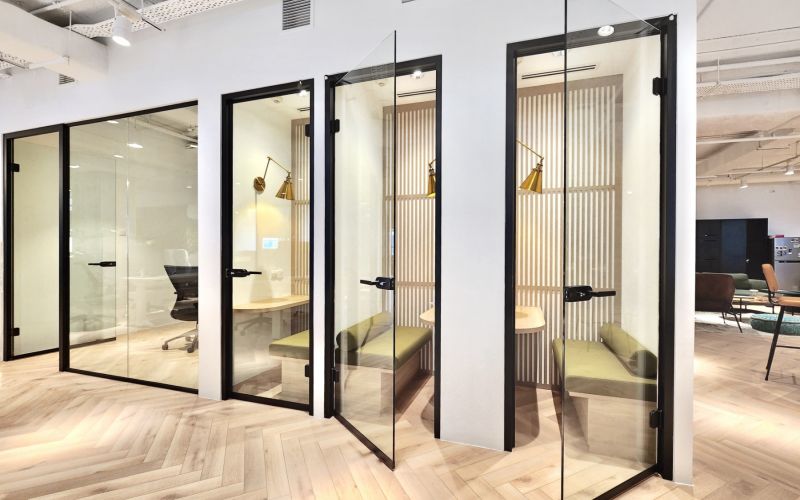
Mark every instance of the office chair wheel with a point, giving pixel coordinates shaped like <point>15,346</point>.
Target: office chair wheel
<point>165,346</point>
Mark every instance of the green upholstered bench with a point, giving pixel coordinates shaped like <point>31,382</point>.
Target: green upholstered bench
<point>612,384</point>
<point>766,323</point>
<point>746,286</point>
<point>294,346</point>
<point>293,349</point>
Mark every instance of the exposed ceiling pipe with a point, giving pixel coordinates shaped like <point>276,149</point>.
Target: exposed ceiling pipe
<point>753,138</point>
<point>712,68</point>
<point>55,6</point>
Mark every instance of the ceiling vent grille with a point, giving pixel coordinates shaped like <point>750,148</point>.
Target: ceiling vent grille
<point>296,13</point>
<point>64,79</point>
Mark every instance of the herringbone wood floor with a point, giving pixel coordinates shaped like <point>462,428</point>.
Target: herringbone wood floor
<point>71,436</point>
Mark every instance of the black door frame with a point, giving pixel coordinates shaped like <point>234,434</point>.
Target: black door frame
<point>667,29</point>
<point>8,237</point>
<point>64,281</point>
<point>433,63</point>
<point>226,224</point>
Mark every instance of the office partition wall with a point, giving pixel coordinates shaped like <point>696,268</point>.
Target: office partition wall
<point>33,177</point>
<point>590,249</point>
<point>267,206</point>
<point>132,221</point>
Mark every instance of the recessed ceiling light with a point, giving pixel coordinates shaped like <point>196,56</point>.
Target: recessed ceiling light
<point>74,166</point>
<point>191,145</point>
<point>135,145</point>
<point>118,156</point>
<point>121,31</point>
<point>606,30</point>
<point>112,122</point>
<point>744,184</point>
<point>188,187</point>
<point>417,74</point>
<point>789,171</point>
<point>303,92</point>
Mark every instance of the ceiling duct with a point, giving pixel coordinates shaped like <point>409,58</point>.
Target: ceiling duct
<point>296,13</point>
<point>64,79</point>
<point>555,72</point>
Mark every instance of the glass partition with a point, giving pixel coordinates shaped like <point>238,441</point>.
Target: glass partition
<point>364,250</point>
<point>612,227</point>
<point>271,243</point>
<point>33,188</point>
<point>133,247</point>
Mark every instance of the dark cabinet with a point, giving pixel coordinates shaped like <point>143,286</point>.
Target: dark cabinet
<point>732,246</point>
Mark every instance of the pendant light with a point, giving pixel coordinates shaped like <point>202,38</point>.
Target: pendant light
<point>121,31</point>
<point>285,192</point>
<point>431,180</point>
<point>533,182</point>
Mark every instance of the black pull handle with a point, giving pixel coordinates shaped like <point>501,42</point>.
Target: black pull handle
<point>584,292</point>
<point>380,282</point>
<point>104,263</point>
<point>239,273</point>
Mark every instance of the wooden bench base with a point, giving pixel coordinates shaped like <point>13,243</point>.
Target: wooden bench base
<point>617,427</point>
<point>369,391</point>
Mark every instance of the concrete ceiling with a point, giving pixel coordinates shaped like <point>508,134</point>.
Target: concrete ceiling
<point>748,88</point>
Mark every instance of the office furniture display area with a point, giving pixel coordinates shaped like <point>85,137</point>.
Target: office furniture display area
<point>586,178</point>
<point>132,221</point>
<point>382,247</point>
<point>267,206</point>
<point>732,246</point>
<point>32,258</point>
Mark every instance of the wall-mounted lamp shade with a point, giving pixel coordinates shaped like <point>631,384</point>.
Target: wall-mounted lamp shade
<point>431,180</point>
<point>533,182</point>
<point>121,31</point>
<point>286,191</point>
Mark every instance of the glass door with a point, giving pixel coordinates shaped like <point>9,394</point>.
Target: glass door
<point>33,184</point>
<point>612,228</point>
<point>97,307</point>
<point>364,260</point>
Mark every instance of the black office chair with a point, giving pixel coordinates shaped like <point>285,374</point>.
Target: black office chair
<point>184,279</point>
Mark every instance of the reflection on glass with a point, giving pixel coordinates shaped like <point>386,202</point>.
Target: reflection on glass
<point>609,352</point>
<point>133,247</point>
<point>35,243</point>
<point>271,222</point>
<point>364,248</point>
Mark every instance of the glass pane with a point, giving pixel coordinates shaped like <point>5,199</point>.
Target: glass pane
<point>159,223</point>
<point>271,222</point>
<point>97,308</point>
<point>36,243</point>
<point>612,230</point>
<point>364,247</point>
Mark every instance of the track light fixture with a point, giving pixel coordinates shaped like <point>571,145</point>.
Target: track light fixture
<point>121,31</point>
<point>286,191</point>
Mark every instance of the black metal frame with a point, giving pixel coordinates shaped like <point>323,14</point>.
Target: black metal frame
<point>666,26</point>
<point>8,237</point>
<point>64,282</point>
<point>433,63</point>
<point>226,224</point>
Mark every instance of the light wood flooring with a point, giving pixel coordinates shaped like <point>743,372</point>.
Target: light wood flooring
<point>71,436</point>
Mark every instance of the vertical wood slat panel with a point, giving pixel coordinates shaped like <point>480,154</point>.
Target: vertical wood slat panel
<point>415,218</point>
<point>301,216</point>
<point>592,226</point>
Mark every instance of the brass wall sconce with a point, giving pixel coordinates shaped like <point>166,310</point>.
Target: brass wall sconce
<point>286,191</point>
<point>533,182</point>
<point>431,180</point>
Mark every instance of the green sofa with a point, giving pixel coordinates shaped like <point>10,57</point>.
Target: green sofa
<point>746,286</point>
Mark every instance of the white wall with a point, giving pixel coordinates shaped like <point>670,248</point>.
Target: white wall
<point>776,202</point>
<point>242,47</point>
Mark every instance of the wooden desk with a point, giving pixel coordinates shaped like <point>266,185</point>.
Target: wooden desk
<point>277,307</point>
<point>527,319</point>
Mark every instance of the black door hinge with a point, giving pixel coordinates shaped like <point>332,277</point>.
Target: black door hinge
<point>15,167</point>
<point>307,371</point>
<point>656,418</point>
<point>335,374</point>
<point>307,130</point>
<point>659,86</point>
<point>336,125</point>
<point>15,332</point>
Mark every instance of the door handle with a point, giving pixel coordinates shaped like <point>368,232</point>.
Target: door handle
<point>104,263</point>
<point>239,273</point>
<point>380,282</point>
<point>585,292</point>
